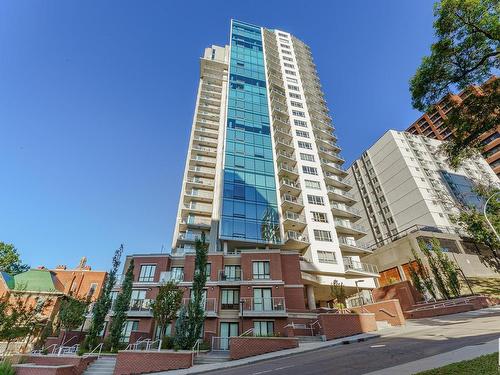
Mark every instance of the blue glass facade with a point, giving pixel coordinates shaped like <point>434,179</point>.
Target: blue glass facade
<point>249,207</point>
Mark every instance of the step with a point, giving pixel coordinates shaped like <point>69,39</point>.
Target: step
<point>211,358</point>
<point>309,338</point>
<point>383,324</point>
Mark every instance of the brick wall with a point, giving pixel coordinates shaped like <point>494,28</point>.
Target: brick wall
<point>242,347</point>
<point>29,369</point>
<point>430,312</point>
<point>389,311</point>
<point>341,325</point>
<point>130,362</point>
<point>404,291</point>
<point>78,364</point>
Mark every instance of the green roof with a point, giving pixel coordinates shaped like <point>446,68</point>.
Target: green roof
<point>9,280</point>
<point>34,281</point>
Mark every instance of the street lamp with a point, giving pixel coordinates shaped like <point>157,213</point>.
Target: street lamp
<point>486,216</point>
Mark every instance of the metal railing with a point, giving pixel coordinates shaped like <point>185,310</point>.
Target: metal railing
<point>171,276</point>
<point>345,208</point>
<point>195,350</point>
<point>140,305</point>
<point>209,304</point>
<point>271,304</point>
<point>287,168</point>
<point>235,275</point>
<point>352,242</point>
<point>191,237</point>
<point>94,350</point>
<point>296,236</point>
<point>291,199</point>
<point>291,184</point>
<point>350,264</point>
<point>293,216</point>
<point>68,350</point>
<point>220,344</point>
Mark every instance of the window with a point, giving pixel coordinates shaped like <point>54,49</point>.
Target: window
<point>289,65</point>
<point>292,87</point>
<point>306,145</point>
<point>327,257</point>
<point>230,299</point>
<point>299,113</point>
<point>293,80</point>
<point>92,290</point>
<point>322,235</point>
<point>314,199</point>
<point>313,185</point>
<point>177,274</point>
<point>291,72</point>
<point>296,104</point>
<point>262,328</point>
<point>286,58</point>
<point>137,298</point>
<point>147,274</point>
<point>385,209</point>
<point>310,170</point>
<point>285,46</point>
<point>286,52</point>
<point>390,220</point>
<point>306,157</point>
<point>261,270</point>
<point>320,217</point>
<point>294,95</point>
<point>128,327</point>
<point>208,270</point>
<point>302,133</point>
<point>300,123</point>
<point>231,273</point>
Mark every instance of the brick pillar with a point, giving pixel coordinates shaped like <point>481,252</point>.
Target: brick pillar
<point>311,301</point>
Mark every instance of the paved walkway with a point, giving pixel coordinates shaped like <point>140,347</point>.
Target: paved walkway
<point>462,354</point>
<point>303,348</point>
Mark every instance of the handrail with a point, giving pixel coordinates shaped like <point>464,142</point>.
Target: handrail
<point>387,312</point>
<point>86,355</point>
<point>247,332</point>
<point>195,350</point>
<point>151,343</point>
<point>71,338</point>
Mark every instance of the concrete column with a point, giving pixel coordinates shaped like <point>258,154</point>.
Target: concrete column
<point>225,247</point>
<point>401,273</point>
<point>311,301</point>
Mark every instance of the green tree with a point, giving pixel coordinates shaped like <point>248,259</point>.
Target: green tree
<point>190,326</point>
<point>428,248</point>
<point>338,293</point>
<point>10,261</point>
<point>103,303</point>
<point>122,305</point>
<point>448,269</point>
<point>424,276</point>
<point>71,314</point>
<point>181,338</point>
<point>166,305</point>
<point>465,52</point>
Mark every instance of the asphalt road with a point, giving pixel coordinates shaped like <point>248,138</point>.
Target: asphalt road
<point>419,339</point>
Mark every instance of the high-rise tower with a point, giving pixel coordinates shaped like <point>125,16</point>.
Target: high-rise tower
<point>263,168</point>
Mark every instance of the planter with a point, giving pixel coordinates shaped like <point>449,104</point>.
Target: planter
<point>242,347</point>
<point>144,361</point>
<point>334,326</point>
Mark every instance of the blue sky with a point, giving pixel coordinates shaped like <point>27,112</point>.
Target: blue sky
<point>97,98</point>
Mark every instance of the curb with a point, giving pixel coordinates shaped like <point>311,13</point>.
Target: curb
<point>223,366</point>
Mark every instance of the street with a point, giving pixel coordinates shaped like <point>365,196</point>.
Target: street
<point>419,339</point>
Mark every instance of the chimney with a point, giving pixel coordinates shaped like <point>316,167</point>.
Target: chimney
<point>61,267</point>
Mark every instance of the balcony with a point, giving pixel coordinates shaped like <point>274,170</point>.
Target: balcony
<point>286,157</point>
<point>341,210</point>
<point>209,305</point>
<point>333,169</point>
<point>287,170</point>
<point>208,151</point>
<point>140,307</point>
<point>195,208</point>
<point>230,276</point>
<point>171,276</point>
<point>334,181</point>
<point>294,221</point>
<point>272,306</point>
<point>195,223</point>
<point>349,245</point>
<point>198,160</point>
<point>205,141</point>
<point>295,241</point>
<point>191,237</point>
<point>289,187</point>
<point>358,268</point>
<point>291,203</point>
<point>283,144</point>
<point>198,195</point>
<point>346,227</point>
<point>198,183</point>
<point>341,196</point>
<point>202,171</point>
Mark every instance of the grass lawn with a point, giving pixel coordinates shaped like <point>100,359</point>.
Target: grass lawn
<point>483,285</point>
<point>484,365</point>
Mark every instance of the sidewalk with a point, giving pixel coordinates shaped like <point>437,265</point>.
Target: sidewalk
<point>305,347</point>
<point>443,359</point>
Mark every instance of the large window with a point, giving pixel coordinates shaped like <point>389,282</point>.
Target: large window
<point>298,113</point>
<point>177,273</point>
<point>261,270</point>
<point>322,235</point>
<point>305,145</point>
<point>147,274</point>
<point>263,328</point>
<point>306,157</point>
<point>327,257</point>
<point>310,170</point>
<point>302,133</point>
<point>231,273</point>
<point>230,299</point>
<point>315,199</point>
<point>320,217</point>
<point>310,184</point>
<point>128,327</point>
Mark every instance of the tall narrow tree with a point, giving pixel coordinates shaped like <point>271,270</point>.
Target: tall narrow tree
<point>424,275</point>
<point>71,314</point>
<point>166,305</point>
<point>122,305</point>
<point>439,278</point>
<point>103,303</point>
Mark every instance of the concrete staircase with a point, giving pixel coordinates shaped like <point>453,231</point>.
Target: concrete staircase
<point>304,339</point>
<point>212,357</point>
<point>104,365</point>
<point>383,324</point>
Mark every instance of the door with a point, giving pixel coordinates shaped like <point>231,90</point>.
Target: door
<point>227,330</point>
<point>262,300</point>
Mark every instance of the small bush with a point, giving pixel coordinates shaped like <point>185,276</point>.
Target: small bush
<point>205,345</point>
<point>6,368</point>
<point>167,342</point>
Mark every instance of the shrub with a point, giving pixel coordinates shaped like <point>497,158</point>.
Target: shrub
<point>6,368</point>
<point>167,342</point>
<point>205,345</point>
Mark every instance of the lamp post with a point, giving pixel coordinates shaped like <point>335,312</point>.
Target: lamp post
<point>357,288</point>
<point>486,216</point>
<point>242,303</point>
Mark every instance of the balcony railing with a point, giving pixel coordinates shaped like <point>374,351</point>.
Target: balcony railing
<point>296,236</point>
<point>191,237</point>
<point>343,207</point>
<point>140,305</point>
<point>271,304</point>
<point>209,304</point>
<point>171,276</point>
<point>351,242</point>
<point>293,216</point>
<point>197,221</point>
<point>294,185</point>
<point>287,168</point>
<point>350,264</point>
<point>348,224</point>
<point>291,199</point>
<point>341,192</point>
<point>230,275</point>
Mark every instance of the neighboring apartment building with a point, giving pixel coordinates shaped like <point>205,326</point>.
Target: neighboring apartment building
<point>405,189</point>
<point>431,125</point>
<point>264,181</point>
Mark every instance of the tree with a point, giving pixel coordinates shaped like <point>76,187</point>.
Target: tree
<point>448,269</point>
<point>166,305</point>
<point>426,248</point>
<point>103,303</point>
<point>20,316</point>
<point>71,314</point>
<point>10,261</point>
<point>423,274</point>
<point>122,305</point>
<point>337,291</point>
<point>466,52</point>
<point>192,324</point>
